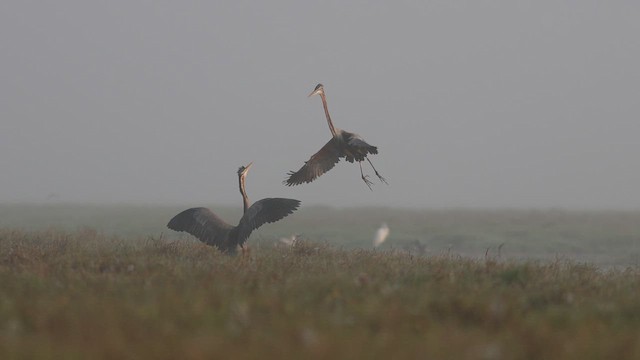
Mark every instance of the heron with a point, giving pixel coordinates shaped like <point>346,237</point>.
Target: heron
<point>205,225</point>
<point>343,144</point>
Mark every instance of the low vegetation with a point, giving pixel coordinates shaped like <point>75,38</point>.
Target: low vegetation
<point>604,238</point>
<point>82,294</point>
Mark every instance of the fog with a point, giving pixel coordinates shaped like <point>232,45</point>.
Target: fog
<point>471,103</point>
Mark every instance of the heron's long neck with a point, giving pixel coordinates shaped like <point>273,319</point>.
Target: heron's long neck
<point>326,112</point>
<point>245,198</point>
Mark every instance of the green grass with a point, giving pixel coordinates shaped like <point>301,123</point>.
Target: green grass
<point>86,294</point>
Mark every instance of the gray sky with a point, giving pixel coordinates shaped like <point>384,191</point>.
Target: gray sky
<point>471,103</point>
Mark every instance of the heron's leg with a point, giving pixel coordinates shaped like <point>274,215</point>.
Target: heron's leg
<point>365,178</point>
<point>377,174</point>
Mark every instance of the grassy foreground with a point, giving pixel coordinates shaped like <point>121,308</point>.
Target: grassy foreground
<point>80,295</point>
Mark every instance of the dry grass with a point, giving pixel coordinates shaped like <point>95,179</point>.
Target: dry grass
<point>607,238</point>
<point>85,295</point>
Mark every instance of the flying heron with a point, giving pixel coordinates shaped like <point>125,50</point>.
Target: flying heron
<point>211,230</point>
<point>343,144</point>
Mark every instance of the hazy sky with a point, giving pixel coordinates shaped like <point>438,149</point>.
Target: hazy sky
<point>471,103</point>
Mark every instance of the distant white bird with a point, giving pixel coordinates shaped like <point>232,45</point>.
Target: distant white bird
<point>381,235</point>
<point>290,241</point>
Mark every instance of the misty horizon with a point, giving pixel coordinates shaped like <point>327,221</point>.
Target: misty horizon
<point>500,105</point>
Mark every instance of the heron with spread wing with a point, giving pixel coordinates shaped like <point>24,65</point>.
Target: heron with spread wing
<point>211,230</point>
<point>343,144</point>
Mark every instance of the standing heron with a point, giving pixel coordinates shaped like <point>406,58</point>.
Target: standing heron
<point>343,144</point>
<point>211,230</point>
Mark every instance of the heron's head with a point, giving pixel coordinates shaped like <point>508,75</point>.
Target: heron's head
<point>243,170</point>
<point>318,90</point>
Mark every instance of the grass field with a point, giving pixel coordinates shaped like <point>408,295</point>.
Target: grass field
<point>606,238</point>
<point>105,282</point>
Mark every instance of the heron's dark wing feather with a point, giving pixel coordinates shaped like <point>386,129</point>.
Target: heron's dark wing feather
<point>321,162</point>
<point>357,149</point>
<point>203,224</point>
<point>267,210</point>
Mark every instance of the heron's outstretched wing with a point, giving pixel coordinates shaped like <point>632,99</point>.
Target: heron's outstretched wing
<point>264,211</point>
<point>321,162</point>
<point>203,224</point>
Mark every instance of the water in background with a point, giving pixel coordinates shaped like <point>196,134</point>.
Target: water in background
<point>603,237</point>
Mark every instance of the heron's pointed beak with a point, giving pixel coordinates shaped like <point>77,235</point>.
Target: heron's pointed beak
<point>314,92</point>
<point>246,168</point>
